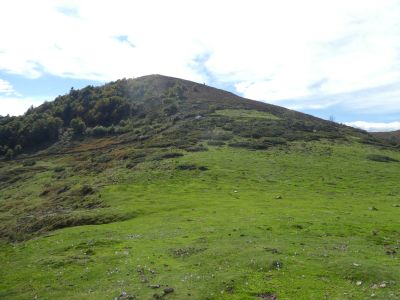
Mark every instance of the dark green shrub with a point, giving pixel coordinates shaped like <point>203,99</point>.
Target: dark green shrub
<point>9,154</point>
<point>186,167</point>
<point>86,190</point>
<point>59,169</point>
<point>171,155</point>
<point>239,145</point>
<point>198,148</point>
<point>99,131</point>
<point>381,158</point>
<point>215,143</point>
<point>17,149</point>
<point>78,126</point>
<point>29,163</point>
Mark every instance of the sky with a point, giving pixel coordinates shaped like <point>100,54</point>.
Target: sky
<point>332,59</point>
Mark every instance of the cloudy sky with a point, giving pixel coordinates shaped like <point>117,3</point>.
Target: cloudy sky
<point>328,58</point>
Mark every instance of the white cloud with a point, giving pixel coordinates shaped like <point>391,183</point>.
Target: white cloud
<point>6,87</point>
<point>311,51</point>
<point>375,127</point>
<point>16,106</point>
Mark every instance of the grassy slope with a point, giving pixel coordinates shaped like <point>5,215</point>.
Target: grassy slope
<point>222,233</point>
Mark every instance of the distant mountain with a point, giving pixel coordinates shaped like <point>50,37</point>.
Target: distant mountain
<point>393,137</point>
<point>144,107</point>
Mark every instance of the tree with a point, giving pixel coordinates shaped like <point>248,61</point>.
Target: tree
<point>9,154</point>
<point>78,126</point>
<point>18,149</point>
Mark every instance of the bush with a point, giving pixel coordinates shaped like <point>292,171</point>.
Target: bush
<point>198,148</point>
<point>186,167</point>
<point>216,143</point>
<point>59,169</point>
<point>78,126</point>
<point>17,149</point>
<point>381,158</point>
<point>171,155</point>
<point>9,154</point>
<point>239,145</point>
<point>99,131</point>
<point>29,163</point>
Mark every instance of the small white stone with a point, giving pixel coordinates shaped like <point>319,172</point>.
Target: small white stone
<point>359,283</point>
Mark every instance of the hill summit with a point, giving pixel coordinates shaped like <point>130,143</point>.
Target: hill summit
<point>162,110</point>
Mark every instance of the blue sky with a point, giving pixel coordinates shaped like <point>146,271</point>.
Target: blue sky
<point>327,58</point>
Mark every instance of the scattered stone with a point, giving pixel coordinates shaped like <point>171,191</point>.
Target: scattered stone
<point>356,264</point>
<point>134,236</point>
<point>168,290</point>
<point>359,283</point>
<point>278,197</point>
<point>372,208</point>
<point>154,286</point>
<point>268,296</point>
<point>277,265</point>
<point>125,296</point>
<point>382,285</point>
<point>184,252</point>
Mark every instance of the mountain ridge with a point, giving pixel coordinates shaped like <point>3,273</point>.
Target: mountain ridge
<point>125,105</point>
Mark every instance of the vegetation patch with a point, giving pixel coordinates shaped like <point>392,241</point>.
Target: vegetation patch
<point>185,252</point>
<point>381,158</point>
<point>242,113</point>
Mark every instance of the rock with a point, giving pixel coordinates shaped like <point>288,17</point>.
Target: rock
<point>359,283</point>
<point>278,197</point>
<point>277,265</point>
<point>154,286</point>
<point>268,296</point>
<point>125,295</point>
<point>382,285</point>
<point>372,208</point>
<point>168,290</point>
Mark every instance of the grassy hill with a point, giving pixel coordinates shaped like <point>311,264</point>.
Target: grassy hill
<point>190,192</point>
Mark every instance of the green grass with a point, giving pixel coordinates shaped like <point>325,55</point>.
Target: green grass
<point>294,221</point>
<point>246,113</point>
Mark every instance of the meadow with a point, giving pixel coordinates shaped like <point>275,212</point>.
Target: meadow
<point>304,220</point>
